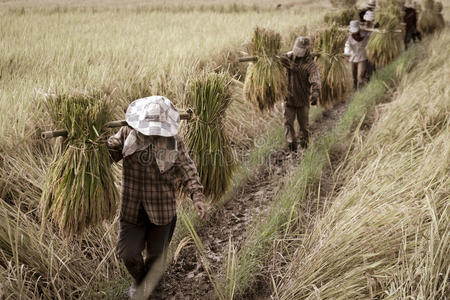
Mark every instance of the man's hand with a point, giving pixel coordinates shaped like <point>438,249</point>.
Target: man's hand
<point>314,99</point>
<point>200,207</point>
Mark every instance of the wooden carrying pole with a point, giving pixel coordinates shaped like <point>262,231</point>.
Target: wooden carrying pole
<point>113,124</point>
<point>255,58</point>
<point>246,59</point>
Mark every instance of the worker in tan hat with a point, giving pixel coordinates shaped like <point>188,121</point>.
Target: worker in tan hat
<point>154,161</point>
<point>303,89</point>
<point>371,5</point>
<point>355,49</point>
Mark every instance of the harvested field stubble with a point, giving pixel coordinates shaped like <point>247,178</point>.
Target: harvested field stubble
<point>394,189</point>
<point>49,46</point>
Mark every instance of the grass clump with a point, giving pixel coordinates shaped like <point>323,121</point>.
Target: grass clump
<point>341,17</point>
<point>394,188</point>
<point>209,96</point>
<point>384,47</point>
<point>265,81</point>
<point>79,191</point>
<point>290,203</point>
<point>329,44</point>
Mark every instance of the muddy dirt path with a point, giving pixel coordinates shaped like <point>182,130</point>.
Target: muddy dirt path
<point>186,278</point>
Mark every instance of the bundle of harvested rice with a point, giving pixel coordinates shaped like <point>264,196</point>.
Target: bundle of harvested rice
<point>439,17</point>
<point>384,47</point>
<point>209,96</point>
<point>79,191</point>
<point>341,17</point>
<point>336,79</point>
<point>343,3</point>
<point>265,81</point>
<point>428,21</point>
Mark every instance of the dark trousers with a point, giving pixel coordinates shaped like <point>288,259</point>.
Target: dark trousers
<point>412,34</point>
<point>134,238</point>
<point>301,114</point>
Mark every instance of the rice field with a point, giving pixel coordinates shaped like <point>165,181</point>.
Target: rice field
<point>127,50</point>
<point>67,48</point>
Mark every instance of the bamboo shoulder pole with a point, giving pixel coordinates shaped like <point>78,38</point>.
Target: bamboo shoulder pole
<point>255,58</point>
<point>246,59</point>
<point>113,124</point>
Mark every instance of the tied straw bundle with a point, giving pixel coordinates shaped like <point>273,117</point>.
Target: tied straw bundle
<point>336,80</point>
<point>384,47</point>
<point>429,19</point>
<point>209,96</point>
<point>343,3</point>
<point>438,7</point>
<point>79,191</point>
<point>265,81</point>
<point>341,17</point>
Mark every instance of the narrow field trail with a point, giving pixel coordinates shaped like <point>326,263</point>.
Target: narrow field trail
<point>186,278</point>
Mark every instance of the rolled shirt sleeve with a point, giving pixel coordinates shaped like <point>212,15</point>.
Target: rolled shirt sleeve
<point>115,144</point>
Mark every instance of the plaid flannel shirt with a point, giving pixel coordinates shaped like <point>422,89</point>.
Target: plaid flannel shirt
<point>144,185</point>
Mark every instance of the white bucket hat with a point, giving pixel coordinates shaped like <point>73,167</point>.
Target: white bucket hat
<point>153,115</point>
<point>301,46</point>
<point>372,3</point>
<point>369,16</point>
<point>354,26</point>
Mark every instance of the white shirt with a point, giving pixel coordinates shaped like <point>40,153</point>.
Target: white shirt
<point>357,50</point>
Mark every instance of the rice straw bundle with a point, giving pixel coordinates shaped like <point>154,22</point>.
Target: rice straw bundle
<point>343,3</point>
<point>384,47</point>
<point>209,96</point>
<point>341,17</point>
<point>79,191</point>
<point>336,79</point>
<point>265,81</point>
<point>428,20</point>
<point>439,17</point>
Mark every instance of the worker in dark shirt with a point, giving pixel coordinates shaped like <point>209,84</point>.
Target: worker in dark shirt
<point>410,20</point>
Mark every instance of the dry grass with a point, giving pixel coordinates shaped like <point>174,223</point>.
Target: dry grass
<point>387,232</point>
<point>125,53</point>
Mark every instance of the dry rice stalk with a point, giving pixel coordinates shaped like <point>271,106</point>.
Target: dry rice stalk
<point>428,18</point>
<point>79,191</point>
<point>384,47</point>
<point>341,17</point>
<point>329,44</point>
<point>439,17</point>
<point>209,96</point>
<point>343,3</point>
<point>265,81</point>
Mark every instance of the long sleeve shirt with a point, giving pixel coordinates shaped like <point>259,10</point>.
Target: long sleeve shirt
<point>357,49</point>
<point>146,184</point>
<point>303,79</point>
